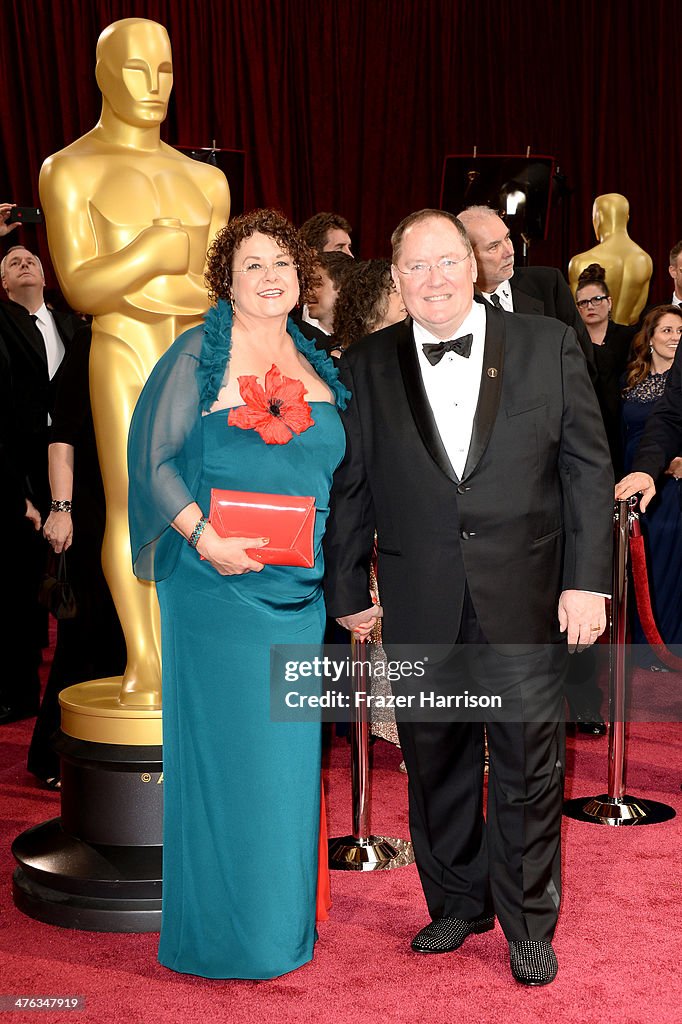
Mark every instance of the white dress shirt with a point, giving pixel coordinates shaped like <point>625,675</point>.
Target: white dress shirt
<point>503,292</point>
<point>675,301</point>
<point>54,346</point>
<point>453,384</point>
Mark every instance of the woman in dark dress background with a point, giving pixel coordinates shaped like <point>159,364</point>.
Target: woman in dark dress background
<point>91,645</point>
<point>611,346</point>
<point>653,351</point>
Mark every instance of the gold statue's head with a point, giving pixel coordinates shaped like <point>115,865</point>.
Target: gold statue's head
<point>135,71</point>
<point>610,212</point>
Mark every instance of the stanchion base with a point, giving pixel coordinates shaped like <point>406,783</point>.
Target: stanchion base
<point>375,853</point>
<point>628,810</point>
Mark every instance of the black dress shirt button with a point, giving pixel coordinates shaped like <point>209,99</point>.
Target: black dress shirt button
<point>466,534</point>
<point>462,488</point>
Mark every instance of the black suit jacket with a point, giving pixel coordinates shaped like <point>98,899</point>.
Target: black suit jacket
<point>662,439</point>
<point>32,393</point>
<point>530,517</point>
<point>544,290</point>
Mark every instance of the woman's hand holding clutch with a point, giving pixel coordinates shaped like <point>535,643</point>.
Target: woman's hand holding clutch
<point>227,555</point>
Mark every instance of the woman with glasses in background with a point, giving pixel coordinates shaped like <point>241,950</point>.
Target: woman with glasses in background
<point>611,345</point>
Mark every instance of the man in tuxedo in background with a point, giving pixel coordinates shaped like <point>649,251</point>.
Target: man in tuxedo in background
<point>482,464</point>
<point>323,232</point>
<point>539,290</point>
<point>32,344</point>
<point>36,339</point>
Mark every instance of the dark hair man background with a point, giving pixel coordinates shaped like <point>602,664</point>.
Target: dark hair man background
<point>327,232</point>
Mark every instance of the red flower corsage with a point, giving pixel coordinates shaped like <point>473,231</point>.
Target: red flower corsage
<point>276,412</point>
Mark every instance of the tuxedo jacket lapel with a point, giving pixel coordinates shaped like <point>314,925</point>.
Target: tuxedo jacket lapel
<point>29,332</point>
<point>525,303</point>
<point>66,326</point>
<point>419,403</point>
<point>490,390</point>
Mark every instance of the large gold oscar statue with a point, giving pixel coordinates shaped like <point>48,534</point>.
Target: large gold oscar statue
<point>628,268</point>
<point>129,220</point>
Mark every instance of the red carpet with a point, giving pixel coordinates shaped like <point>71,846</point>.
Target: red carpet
<point>618,940</point>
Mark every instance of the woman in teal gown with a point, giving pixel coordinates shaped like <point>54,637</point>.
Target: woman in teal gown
<point>243,403</point>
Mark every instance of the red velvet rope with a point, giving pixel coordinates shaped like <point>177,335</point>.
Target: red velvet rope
<point>640,579</point>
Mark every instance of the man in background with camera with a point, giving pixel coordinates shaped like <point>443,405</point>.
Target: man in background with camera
<point>33,340</point>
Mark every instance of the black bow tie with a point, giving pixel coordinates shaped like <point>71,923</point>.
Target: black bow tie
<point>462,346</point>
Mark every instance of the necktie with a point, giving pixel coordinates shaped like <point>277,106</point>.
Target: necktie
<point>462,346</point>
<point>495,299</point>
<point>41,336</point>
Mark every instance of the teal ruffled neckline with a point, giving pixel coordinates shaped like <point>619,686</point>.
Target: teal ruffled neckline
<point>215,355</point>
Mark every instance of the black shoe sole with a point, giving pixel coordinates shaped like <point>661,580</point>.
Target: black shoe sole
<point>532,984</point>
<point>476,929</point>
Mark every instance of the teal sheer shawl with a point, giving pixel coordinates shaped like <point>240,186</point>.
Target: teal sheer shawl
<point>165,441</point>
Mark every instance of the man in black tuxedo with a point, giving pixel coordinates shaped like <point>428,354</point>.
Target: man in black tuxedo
<point>483,466</point>
<point>32,344</point>
<point>538,290</point>
<point>36,339</point>
<point>661,444</point>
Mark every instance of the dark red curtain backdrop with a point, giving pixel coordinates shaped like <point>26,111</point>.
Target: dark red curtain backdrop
<point>351,105</point>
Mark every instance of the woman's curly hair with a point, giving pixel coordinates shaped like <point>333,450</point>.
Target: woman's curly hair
<point>639,366</point>
<point>362,302</point>
<point>275,225</point>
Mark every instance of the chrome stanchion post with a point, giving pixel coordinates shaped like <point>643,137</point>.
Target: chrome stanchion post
<point>359,743</point>
<point>615,807</point>
<point>363,851</point>
<point>617,637</point>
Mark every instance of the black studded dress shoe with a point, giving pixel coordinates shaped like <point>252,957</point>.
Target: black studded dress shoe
<point>447,934</point>
<point>533,963</point>
<point>591,723</point>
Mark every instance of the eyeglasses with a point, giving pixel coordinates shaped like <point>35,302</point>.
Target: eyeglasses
<point>255,268</point>
<point>420,271</point>
<point>596,301</point>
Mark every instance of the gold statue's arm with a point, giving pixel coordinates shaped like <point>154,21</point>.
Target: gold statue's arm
<point>96,283</point>
<point>219,194</point>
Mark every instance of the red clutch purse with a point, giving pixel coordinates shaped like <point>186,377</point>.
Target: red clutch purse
<point>288,521</point>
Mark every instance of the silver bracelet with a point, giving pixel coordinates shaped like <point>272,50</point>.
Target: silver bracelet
<point>60,506</point>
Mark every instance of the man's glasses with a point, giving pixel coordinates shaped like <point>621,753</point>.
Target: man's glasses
<point>596,301</point>
<point>419,271</point>
<point>256,268</point>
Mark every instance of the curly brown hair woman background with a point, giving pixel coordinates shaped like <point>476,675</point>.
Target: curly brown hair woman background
<point>363,303</point>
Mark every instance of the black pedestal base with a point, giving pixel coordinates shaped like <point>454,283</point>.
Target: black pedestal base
<point>64,881</point>
<point>98,866</point>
